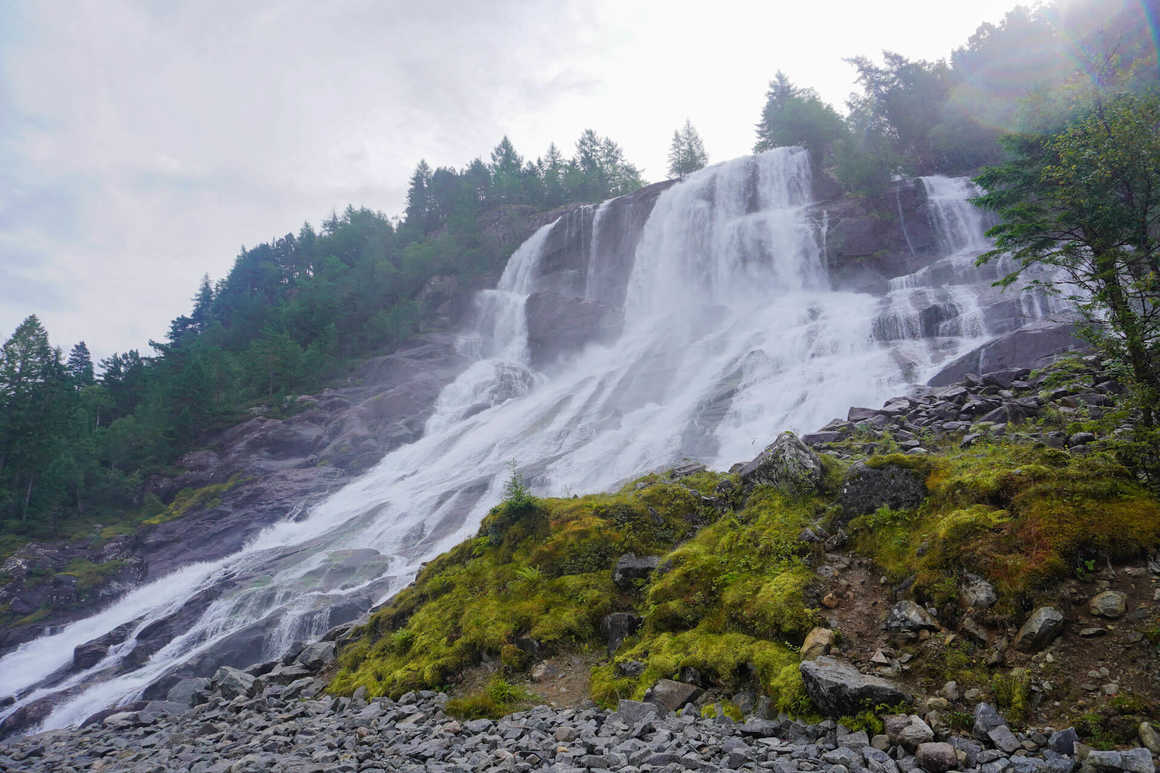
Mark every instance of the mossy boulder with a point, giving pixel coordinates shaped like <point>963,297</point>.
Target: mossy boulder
<point>868,487</point>
<point>787,464</point>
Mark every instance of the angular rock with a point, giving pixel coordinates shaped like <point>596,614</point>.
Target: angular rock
<point>818,642</point>
<point>1041,628</point>
<point>865,489</point>
<point>232,682</point>
<point>908,617</point>
<point>183,691</point>
<point>617,627</point>
<point>671,695</point>
<point>837,688</point>
<point>631,568</point>
<point>1149,737</point>
<point>633,712</point>
<point>788,464</point>
<point>317,655</point>
<point>978,593</point>
<point>987,718</point>
<point>1111,604</point>
<point>1063,741</point>
<point>1004,739</point>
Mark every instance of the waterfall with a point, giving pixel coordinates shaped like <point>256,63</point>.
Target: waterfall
<point>731,333</point>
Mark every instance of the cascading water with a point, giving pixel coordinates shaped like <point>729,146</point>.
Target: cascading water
<point>731,333</point>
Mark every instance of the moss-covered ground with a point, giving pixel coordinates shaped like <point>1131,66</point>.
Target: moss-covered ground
<point>737,586</point>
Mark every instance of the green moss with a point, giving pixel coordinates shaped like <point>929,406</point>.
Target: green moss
<point>864,720</point>
<point>1018,514</point>
<point>34,617</point>
<point>541,570</point>
<point>189,498</point>
<point>498,699</point>
<point>90,575</point>
<point>1012,691</point>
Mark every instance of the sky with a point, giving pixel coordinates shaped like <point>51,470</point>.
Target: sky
<point>144,142</point>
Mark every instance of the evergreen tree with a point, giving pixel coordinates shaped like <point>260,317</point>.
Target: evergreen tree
<point>796,116</point>
<point>80,365</point>
<point>202,306</point>
<point>418,199</point>
<point>686,152</point>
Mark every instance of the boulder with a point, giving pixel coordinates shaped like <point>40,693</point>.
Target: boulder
<point>317,655</point>
<point>632,712</point>
<point>908,730</point>
<point>1149,737</point>
<point>1004,739</point>
<point>788,464</point>
<point>865,489</point>
<point>978,593</point>
<point>183,691</point>
<point>936,757</point>
<point>987,718</point>
<point>617,627</point>
<point>817,643</point>
<point>1063,741</point>
<point>908,617</point>
<point>671,695</point>
<point>630,568</point>
<point>1111,603</point>
<point>232,682</point>
<point>837,688</point>
<point>1041,628</point>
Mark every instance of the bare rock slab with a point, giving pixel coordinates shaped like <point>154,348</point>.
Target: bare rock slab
<point>837,688</point>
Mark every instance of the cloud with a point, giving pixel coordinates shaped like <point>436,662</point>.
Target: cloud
<point>142,142</point>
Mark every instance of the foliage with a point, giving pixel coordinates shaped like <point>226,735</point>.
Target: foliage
<point>1085,204</point>
<point>539,572</point>
<point>291,314</point>
<point>687,151</point>
<point>1017,514</point>
<point>498,699</point>
<point>796,116</point>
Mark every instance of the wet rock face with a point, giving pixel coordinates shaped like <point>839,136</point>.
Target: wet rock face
<point>1020,349</point>
<point>280,465</point>
<point>559,325</point>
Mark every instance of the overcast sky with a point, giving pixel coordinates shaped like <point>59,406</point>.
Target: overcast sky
<point>142,143</point>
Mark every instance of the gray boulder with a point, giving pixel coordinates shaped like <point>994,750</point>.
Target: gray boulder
<point>865,489</point>
<point>317,655</point>
<point>978,593</point>
<point>908,617</point>
<point>671,695</point>
<point>635,711</point>
<point>232,682</point>
<point>936,757</point>
<point>619,626</point>
<point>837,688</point>
<point>183,691</point>
<point>631,568</point>
<point>788,464</point>
<point>1041,628</point>
<point>1063,741</point>
<point>1111,604</point>
<point>987,718</point>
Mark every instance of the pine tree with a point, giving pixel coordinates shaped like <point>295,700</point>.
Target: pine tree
<point>80,365</point>
<point>687,151</point>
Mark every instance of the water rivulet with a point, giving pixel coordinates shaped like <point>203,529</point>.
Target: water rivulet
<point>698,328</point>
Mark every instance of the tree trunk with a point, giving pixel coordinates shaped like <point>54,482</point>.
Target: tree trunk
<point>1125,321</point>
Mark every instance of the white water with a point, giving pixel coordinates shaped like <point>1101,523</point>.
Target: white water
<point>732,333</point>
